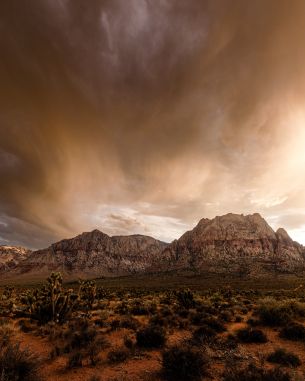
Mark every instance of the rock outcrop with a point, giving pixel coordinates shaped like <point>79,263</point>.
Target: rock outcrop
<point>11,256</point>
<point>233,244</point>
<point>96,254</point>
<point>237,245</point>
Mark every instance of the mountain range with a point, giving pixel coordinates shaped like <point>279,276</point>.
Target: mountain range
<point>233,244</point>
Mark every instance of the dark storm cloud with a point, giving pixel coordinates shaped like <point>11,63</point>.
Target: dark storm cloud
<point>164,110</point>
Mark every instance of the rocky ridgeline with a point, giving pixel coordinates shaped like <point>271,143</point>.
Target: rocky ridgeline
<point>11,256</point>
<point>232,244</point>
<point>235,244</point>
<point>96,254</point>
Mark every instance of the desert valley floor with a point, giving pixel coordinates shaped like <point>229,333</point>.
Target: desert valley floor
<point>154,328</point>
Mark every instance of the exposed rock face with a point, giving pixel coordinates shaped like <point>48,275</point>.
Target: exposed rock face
<point>11,256</point>
<point>231,244</point>
<point>235,244</point>
<point>96,254</point>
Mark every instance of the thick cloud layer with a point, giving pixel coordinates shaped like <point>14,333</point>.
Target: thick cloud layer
<point>147,115</point>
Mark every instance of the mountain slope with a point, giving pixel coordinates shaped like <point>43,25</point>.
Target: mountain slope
<point>11,256</point>
<point>95,254</point>
<point>234,244</point>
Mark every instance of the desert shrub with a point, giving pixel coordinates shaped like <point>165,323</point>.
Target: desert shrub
<point>183,312</point>
<point>283,357</point>
<point>26,326</point>
<point>93,351</point>
<point>215,323</point>
<point>253,322</point>
<point>152,336</point>
<point>83,338</point>
<point>275,313</point>
<point>203,334</point>
<point>17,364</point>
<point>118,355</point>
<point>139,308</point>
<point>185,299</point>
<point>255,373</point>
<point>184,364</point>
<point>128,342</point>
<point>115,324</point>
<point>198,317</point>
<point>6,334</point>
<point>129,322</point>
<point>226,316</point>
<point>75,360</point>
<point>161,321</point>
<point>4,321</point>
<point>94,378</point>
<point>251,335</point>
<point>293,331</point>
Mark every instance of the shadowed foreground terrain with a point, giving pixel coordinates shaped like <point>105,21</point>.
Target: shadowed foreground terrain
<point>168,328</point>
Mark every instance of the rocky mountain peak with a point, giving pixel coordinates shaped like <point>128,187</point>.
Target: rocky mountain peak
<point>283,235</point>
<point>234,244</point>
<point>229,243</point>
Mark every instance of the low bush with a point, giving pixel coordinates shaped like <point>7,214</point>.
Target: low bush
<point>184,364</point>
<point>255,373</point>
<point>151,337</point>
<point>17,364</point>
<point>75,360</point>
<point>293,331</point>
<point>283,357</point>
<point>203,334</point>
<point>118,355</point>
<point>274,313</point>
<point>251,335</point>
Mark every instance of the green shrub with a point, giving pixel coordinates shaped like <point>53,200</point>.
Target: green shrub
<point>151,337</point>
<point>283,357</point>
<point>184,364</point>
<point>251,335</point>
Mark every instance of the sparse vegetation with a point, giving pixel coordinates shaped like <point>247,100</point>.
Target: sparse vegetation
<point>251,335</point>
<point>253,372</point>
<point>184,364</point>
<point>283,357</point>
<point>151,337</point>
<point>84,327</point>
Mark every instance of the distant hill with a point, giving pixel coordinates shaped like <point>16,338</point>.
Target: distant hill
<point>233,244</point>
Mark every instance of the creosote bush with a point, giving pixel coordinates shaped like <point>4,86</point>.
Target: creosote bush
<point>277,313</point>
<point>152,336</point>
<point>183,364</point>
<point>254,373</point>
<point>283,357</point>
<point>17,364</point>
<point>251,335</point>
<point>118,355</point>
<point>293,331</point>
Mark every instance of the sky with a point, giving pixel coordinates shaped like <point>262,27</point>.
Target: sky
<point>144,116</point>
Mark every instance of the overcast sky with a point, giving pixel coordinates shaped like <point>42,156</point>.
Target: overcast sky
<point>143,116</point>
